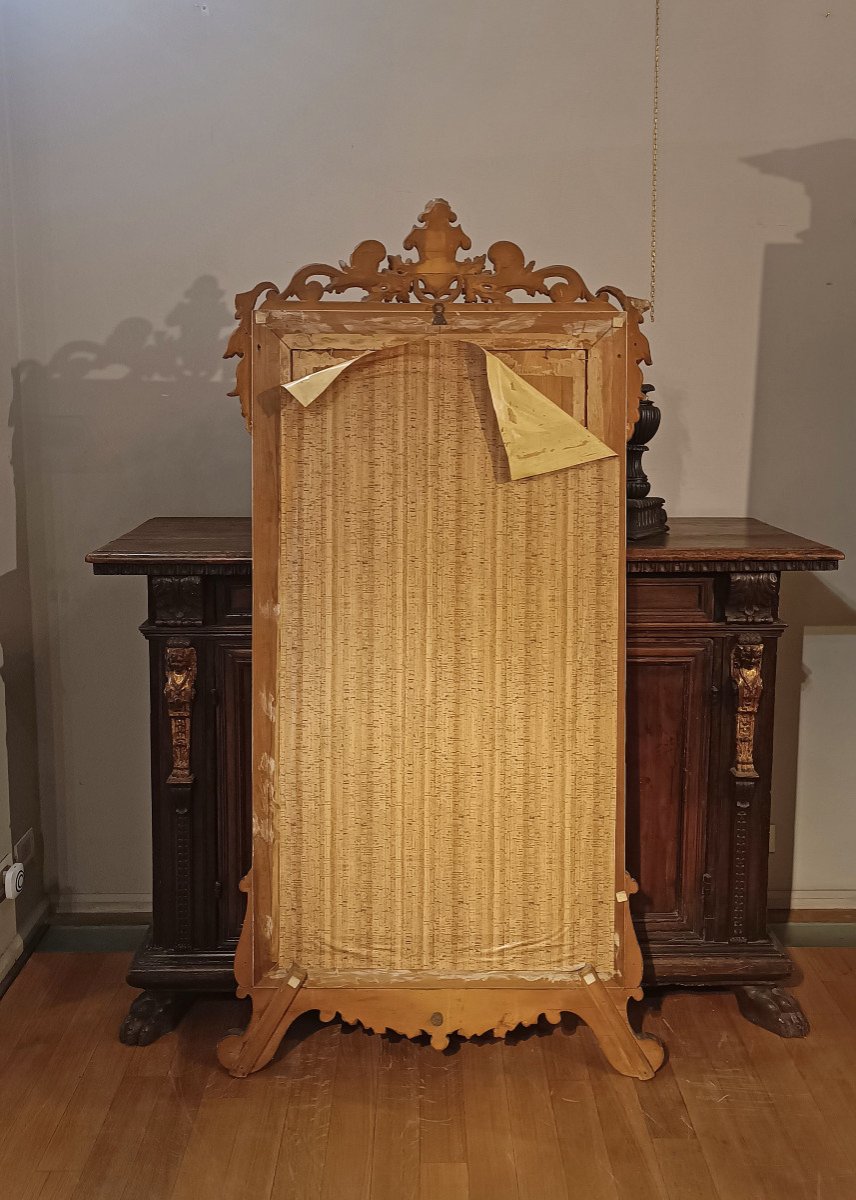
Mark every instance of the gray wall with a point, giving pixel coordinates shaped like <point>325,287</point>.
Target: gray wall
<point>167,154</point>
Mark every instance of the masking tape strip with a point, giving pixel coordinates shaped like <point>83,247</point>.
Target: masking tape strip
<point>296,977</point>
<point>310,387</point>
<point>538,436</point>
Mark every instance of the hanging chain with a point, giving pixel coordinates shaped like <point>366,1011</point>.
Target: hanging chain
<point>655,131</point>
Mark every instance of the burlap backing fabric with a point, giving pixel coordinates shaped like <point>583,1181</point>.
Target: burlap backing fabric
<point>448,678</point>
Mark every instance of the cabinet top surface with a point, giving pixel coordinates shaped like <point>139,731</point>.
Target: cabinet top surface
<point>697,543</point>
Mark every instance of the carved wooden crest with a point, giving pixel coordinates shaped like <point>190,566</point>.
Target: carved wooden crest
<point>437,274</point>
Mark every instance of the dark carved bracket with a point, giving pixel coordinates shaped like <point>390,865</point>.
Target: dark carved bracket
<point>176,599</point>
<point>753,599</point>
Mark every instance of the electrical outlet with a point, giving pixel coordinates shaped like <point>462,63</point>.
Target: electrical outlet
<point>25,848</point>
<point>772,839</point>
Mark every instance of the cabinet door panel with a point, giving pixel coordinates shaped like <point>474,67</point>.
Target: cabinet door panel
<point>668,683</point>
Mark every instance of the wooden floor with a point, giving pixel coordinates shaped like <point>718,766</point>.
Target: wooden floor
<point>736,1113</point>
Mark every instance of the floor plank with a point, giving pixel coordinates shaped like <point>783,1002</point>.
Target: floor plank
<point>442,1131</point>
<point>444,1181</point>
<point>87,1108</point>
<point>735,1114</point>
<point>353,1113</point>
<point>537,1155</point>
<point>310,1064</point>
<point>395,1173</point>
<point>76,1025</point>
<point>492,1171</point>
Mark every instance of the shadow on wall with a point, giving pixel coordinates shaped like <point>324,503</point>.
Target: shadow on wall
<point>108,435</point>
<point>804,436</point>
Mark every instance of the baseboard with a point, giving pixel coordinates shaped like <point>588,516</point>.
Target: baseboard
<point>35,922</point>
<point>127,903</point>
<point>22,945</point>
<point>816,933</point>
<point>812,916</point>
<point>69,920</point>
<point>812,898</point>
<point>9,956</point>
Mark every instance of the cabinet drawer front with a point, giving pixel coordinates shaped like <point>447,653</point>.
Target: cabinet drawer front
<point>235,601</point>
<point>670,601</point>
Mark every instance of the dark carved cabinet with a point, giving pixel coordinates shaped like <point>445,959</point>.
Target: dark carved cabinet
<point>702,631</point>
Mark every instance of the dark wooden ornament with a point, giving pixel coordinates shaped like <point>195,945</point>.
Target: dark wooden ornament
<point>646,514</point>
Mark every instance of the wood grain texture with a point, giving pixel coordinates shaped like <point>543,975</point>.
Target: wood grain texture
<point>736,1114</point>
<point>450,793</point>
<point>209,544</point>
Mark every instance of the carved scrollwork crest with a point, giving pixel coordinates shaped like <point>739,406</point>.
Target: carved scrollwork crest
<point>437,273</point>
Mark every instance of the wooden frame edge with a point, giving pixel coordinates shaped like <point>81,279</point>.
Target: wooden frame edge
<point>442,1012</point>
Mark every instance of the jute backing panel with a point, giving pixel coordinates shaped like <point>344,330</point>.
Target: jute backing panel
<point>448,684</point>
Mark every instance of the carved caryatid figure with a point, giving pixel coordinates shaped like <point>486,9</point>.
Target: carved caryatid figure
<point>746,675</point>
<point>179,691</point>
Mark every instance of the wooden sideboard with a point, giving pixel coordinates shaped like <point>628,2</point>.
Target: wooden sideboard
<point>703,627</point>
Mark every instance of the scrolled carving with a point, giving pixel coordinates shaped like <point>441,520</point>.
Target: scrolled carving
<point>753,598</point>
<point>239,344</point>
<point>180,691</point>
<point>177,599</point>
<point>746,658</point>
<point>437,273</point>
